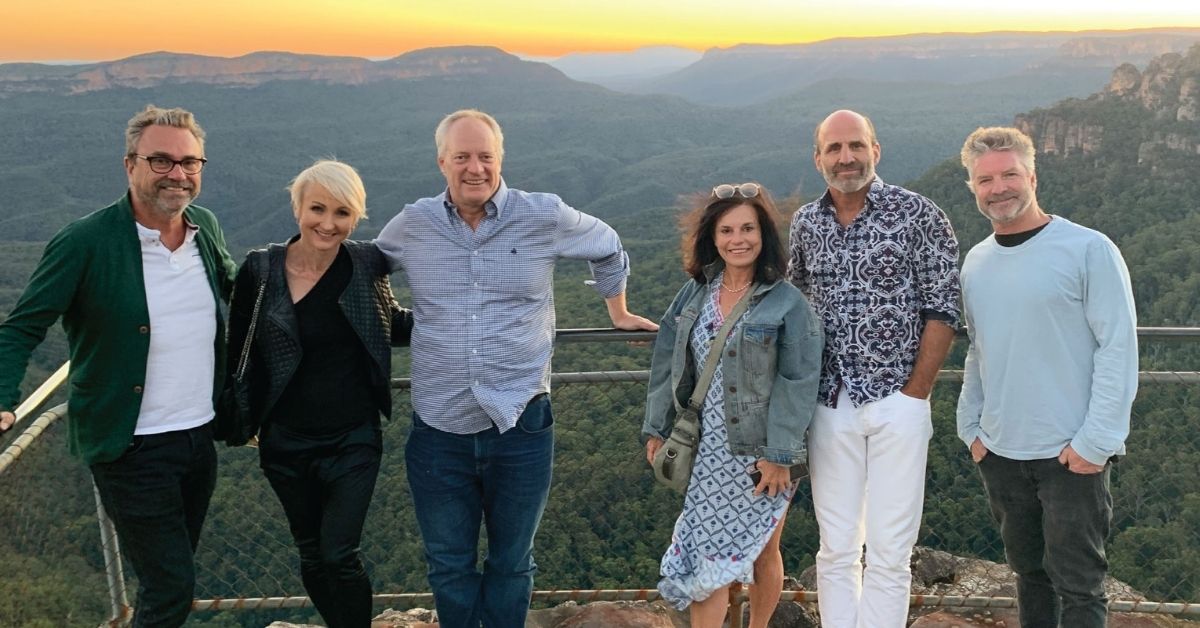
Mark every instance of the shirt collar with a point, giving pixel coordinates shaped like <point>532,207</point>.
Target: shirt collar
<point>875,193</point>
<point>150,236</point>
<point>494,207</point>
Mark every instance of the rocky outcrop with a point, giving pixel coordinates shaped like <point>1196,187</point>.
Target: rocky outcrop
<point>1004,617</point>
<point>1168,89</point>
<point>1055,134</point>
<point>1125,80</point>
<point>1189,100</point>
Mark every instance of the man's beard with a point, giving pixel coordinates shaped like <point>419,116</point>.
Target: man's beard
<point>1005,217</point>
<point>853,184</point>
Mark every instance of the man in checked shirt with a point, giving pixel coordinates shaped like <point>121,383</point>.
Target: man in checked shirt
<point>879,265</point>
<point>479,258</point>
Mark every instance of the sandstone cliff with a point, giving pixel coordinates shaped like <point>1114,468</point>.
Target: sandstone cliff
<point>1166,92</point>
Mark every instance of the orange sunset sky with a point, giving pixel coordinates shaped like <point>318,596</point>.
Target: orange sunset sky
<point>86,30</point>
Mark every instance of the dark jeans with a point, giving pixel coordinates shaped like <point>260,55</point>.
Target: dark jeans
<point>1053,523</point>
<point>325,486</point>
<point>157,495</point>
<point>501,479</point>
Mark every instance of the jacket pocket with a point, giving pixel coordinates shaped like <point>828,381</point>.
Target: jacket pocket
<point>759,353</point>
<point>748,429</point>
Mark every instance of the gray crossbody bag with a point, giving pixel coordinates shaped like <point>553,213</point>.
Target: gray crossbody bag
<point>674,459</point>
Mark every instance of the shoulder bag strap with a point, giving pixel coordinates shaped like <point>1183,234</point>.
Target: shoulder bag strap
<point>262,288</point>
<point>714,351</point>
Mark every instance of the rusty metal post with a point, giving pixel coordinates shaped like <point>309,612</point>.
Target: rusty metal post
<point>111,547</point>
<point>737,598</point>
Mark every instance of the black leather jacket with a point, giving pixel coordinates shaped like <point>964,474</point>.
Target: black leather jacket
<point>275,352</point>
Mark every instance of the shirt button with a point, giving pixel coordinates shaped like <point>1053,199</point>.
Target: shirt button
<point>473,317</point>
<point>137,390</point>
<point>476,351</point>
<point>733,420</point>
<point>474,252</point>
<point>732,353</point>
<point>143,329</point>
<point>733,389</point>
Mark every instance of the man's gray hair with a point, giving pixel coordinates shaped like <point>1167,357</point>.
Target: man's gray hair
<point>151,115</point>
<point>443,127</point>
<point>997,138</point>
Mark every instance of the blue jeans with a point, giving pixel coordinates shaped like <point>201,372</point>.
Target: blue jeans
<point>1054,523</point>
<point>157,496</point>
<point>459,480</point>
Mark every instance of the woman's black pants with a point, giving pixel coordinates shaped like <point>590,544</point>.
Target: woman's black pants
<point>325,486</point>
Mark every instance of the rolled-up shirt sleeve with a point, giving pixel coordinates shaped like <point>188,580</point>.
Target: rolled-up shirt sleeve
<point>581,236</point>
<point>936,260</point>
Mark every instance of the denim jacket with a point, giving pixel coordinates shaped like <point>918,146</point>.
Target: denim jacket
<point>771,370</point>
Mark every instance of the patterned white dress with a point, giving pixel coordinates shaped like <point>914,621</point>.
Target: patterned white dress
<point>724,526</point>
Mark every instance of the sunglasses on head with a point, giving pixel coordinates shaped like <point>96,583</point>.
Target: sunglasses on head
<point>744,190</point>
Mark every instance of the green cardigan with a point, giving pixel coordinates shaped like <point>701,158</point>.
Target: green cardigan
<point>90,275</point>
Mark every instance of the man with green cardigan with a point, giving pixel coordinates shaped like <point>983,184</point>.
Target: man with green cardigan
<point>138,287</point>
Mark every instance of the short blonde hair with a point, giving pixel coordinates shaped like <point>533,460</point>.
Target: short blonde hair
<point>339,179</point>
<point>151,116</point>
<point>443,127</point>
<point>997,138</point>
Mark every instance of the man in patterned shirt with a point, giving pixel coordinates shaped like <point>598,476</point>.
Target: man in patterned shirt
<point>879,264</point>
<point>479,258</point>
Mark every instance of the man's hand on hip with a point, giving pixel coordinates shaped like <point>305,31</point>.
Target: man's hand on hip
<point>978,450</point>
<point>1078,464</point>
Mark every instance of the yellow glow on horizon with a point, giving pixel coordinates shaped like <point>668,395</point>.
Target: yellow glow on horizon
<point>91,30</point>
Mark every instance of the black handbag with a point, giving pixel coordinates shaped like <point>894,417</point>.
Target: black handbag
<point>674,459</point>
<point>235,421</point>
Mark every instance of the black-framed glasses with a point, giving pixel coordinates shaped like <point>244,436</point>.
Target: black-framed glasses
<point>163,165</point>
<point>744,190</point>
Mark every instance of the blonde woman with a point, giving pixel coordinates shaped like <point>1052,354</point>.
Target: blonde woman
<point>320,362</point>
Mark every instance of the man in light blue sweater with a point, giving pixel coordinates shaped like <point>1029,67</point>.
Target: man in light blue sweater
<point>1050,378</point>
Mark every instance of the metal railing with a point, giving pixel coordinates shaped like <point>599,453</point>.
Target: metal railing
<point>246,561</point>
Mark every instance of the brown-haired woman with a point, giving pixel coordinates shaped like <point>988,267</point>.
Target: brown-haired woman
<point>755,412</point>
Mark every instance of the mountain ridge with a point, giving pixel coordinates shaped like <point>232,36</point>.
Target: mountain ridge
<point>256,68</point>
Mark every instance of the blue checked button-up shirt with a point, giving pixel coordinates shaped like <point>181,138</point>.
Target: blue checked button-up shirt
<point>483,300</point>
<point>873,284</point>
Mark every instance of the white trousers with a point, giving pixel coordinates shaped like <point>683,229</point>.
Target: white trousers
<point>868,485</point>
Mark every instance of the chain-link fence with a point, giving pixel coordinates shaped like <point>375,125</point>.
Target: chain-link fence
<point>607,522</point>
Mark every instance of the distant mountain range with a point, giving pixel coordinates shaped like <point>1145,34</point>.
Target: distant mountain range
<point>609,153</point>
<point>166,68</point>
<point>753,73</point>
<point>743,74</point>
<point>623,71</point>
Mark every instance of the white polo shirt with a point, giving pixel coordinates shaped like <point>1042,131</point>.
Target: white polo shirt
<point>177,394</point>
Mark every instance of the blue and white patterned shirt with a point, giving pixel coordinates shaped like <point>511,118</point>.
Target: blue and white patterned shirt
<point>873,284</point>
<point>483,300</point>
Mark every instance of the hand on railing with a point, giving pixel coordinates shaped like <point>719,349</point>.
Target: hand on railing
<point>6,420</point>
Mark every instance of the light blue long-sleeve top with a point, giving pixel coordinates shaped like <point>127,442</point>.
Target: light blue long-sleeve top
<point>1053,355</point>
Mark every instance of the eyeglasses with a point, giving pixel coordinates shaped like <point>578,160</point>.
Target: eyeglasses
<point>163,165</point>
<point>744,190</point>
